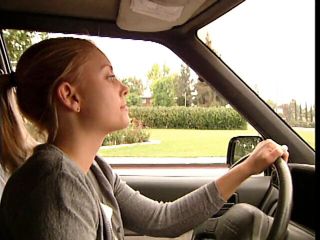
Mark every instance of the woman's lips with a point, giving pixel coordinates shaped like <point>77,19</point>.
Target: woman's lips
<point>124,108</point>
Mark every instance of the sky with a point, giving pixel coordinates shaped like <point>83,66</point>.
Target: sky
<point>269,43</point>
<point>279,55</point>
<point>134,58</point>
<point>140,57</point>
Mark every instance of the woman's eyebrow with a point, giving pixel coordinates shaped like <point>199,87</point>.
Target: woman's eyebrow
<point>107,66</point>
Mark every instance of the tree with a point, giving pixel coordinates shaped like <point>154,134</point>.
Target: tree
<point>295,110</point>
<point>17,41</point>
<point>135,91</point>
<point>163,92</point>
<point>154,73</point>
<point>208,95</point>
<point>183,87</point>
<point>162,85</point>
<point>306,112</point>
<point>311,114</point>
<point>286,112</point>
<point>204,95</point>
<point>272,104</point>
<point>300,112</point>
<point>208,42</point>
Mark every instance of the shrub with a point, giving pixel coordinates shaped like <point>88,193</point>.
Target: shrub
<point>189,117</point>
<point>302,124</point>
<point>134,133</point>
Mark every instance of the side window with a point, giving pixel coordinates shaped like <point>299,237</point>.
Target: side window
<point>274,55</point>
<point>176,118</point>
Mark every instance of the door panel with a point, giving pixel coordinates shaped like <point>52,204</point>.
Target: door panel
<point>304,196</point>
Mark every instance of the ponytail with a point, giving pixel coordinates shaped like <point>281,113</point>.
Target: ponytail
<point>16,142</point>
<point>31,92</point>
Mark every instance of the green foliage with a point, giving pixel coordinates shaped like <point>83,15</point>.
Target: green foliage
<point>306,112</point>
<point>183,87</point>
<point>17,41</point>
<point>189,117</point>
<point>271,103</point>
<point>136,90</point>
<point>190,143</point>
<point>163,92</point>
<point>134,133</point>
<point>154,73</point>
<point>207,96</point>
<point>162,85</point>
<point>296,116</point>
<point>303,124</point>
<point>311,114</point>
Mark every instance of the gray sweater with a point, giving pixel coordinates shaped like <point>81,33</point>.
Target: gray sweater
<point>49,197</point>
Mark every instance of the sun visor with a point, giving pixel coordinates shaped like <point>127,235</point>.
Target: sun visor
<point>155,15</point>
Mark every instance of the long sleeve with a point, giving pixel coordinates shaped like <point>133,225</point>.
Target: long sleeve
<point>171,219</point>
<point>54,203</point>
<point>153,218</point>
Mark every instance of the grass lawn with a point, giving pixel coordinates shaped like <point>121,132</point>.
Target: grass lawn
<point>188,143</point>
<point>308,134</point>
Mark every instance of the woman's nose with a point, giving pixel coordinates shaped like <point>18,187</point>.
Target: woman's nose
<point>125,90</point>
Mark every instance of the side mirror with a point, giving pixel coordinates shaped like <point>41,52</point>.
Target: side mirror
<point>241,146</point>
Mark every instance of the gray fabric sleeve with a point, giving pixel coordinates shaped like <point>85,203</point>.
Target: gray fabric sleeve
<point>61,207</point>
<point>149,217</point>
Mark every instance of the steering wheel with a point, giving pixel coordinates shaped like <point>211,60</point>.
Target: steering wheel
<point>239,216</point>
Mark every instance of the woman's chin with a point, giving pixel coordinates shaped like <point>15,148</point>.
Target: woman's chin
<point>125,124</point>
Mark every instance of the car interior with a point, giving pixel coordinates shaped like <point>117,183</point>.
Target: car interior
<point>285,192</point>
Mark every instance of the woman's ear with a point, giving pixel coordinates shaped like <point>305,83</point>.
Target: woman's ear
<point>68,96</point>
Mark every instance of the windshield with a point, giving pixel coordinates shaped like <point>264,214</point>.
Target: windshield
<point>271,46</point>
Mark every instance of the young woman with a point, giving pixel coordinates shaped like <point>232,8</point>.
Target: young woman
<point>67,88</point>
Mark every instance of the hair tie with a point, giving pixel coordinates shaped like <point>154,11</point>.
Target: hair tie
<point>7,80</point>
<point>13,79</point>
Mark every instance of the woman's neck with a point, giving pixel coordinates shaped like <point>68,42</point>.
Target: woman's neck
<point>80,148</point>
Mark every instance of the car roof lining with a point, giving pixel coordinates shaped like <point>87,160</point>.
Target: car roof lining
<point>15,14</point>
<point>92,9</point>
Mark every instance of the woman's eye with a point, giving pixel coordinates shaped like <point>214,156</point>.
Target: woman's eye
<point>112,77</point>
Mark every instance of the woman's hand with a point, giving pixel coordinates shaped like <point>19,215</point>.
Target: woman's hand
<point>265,153</point>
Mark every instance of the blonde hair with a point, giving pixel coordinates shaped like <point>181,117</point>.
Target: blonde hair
<point>39,71</point>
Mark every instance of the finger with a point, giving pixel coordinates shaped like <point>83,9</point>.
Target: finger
<point>277,151</point>
<point>284,147</point>
<point>285,154</point>
<point>281,151</point>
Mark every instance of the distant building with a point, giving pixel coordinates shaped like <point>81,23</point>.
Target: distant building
<point>147,97</point>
